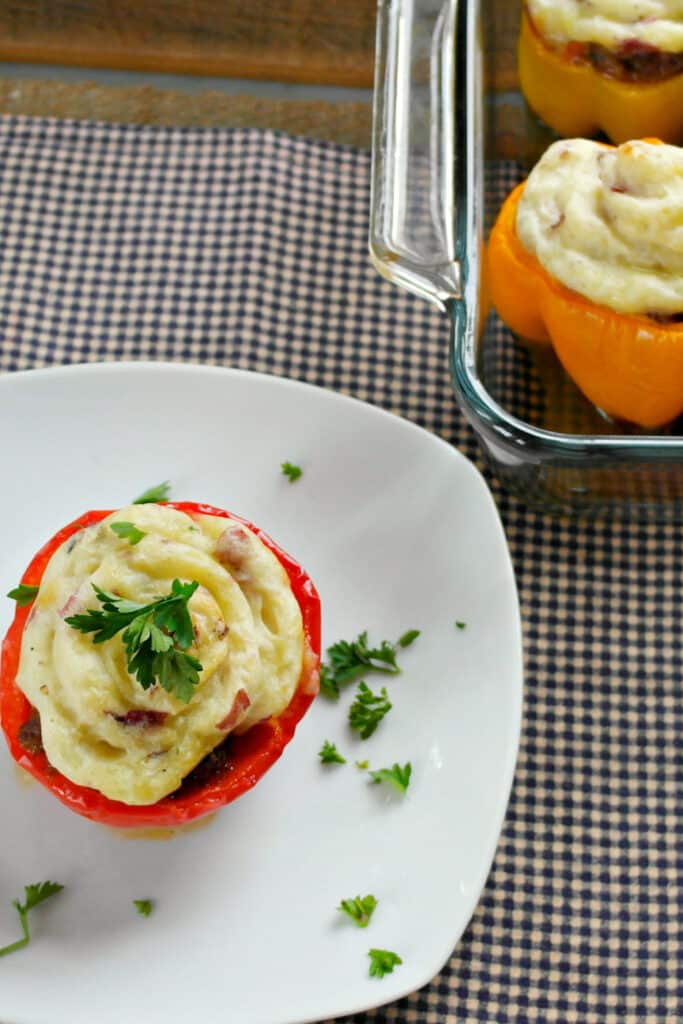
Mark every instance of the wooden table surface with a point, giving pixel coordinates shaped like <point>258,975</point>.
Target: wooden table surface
<point>283,40</point>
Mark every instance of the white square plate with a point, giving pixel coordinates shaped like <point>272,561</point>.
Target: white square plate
<point>398,531</point>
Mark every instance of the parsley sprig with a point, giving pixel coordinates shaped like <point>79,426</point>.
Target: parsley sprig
<point>348,660</point>
<point>156,636</point>
<point>360,909</point>
<point>368,710</point>
<point>33,895</point>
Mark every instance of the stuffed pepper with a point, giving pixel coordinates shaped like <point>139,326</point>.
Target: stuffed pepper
<point>159,661</point>
<point>587,254</point>
<point>612,66</point>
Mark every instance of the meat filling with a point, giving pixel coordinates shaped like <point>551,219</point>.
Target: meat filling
<point>210,767</point>
<point>30,735</point>
<point>633,62</point>
<point>213,766</point>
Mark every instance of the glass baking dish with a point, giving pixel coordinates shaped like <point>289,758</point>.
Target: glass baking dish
<point>447,146</point>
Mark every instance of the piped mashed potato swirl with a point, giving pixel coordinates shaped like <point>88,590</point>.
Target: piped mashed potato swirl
<point>611,23</point>
<point>608,223</point>
<point>99,727</point>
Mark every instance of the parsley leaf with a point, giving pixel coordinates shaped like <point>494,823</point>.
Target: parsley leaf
<point>460,625</point>
<point>128,531</point>
<point>177,672</point>
<point>382,961</point>
<point>329,754</point>
<point>360,909</point>
<point>363,765</point>
<point>23,594</point>
<point>368,710</point>
<point>156,636</point>
<point>154,494</point>
<point>38,893</point>
<point>408,638</point>
<point>33,895</point>
<point>144,907</point>
<point>291,471</point>
<point>396,776</point>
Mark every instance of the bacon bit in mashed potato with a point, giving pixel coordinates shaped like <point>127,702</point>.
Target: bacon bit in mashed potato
<point>239,706</point>
<point>144,718</point>
<point>69,606</point>
<point>232,550</point>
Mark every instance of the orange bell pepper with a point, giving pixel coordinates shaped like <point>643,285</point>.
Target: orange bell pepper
<point>630,366</point>
<point>575,99</point>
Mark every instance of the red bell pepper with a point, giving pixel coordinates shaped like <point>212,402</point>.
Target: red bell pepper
<point>251,754</point>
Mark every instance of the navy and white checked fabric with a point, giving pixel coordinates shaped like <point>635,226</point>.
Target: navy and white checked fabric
<point>246,248</point>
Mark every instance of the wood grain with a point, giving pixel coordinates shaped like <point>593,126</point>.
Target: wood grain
<point>348,123</point>
<point>283,40</point>
<point>288,40</point>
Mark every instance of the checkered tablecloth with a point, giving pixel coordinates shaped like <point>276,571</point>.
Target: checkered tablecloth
<point>245,248</point>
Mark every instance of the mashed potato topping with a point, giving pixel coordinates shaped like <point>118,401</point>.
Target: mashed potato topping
<point>99,727</point>
<point>608,223</point>
<point>611,23</point>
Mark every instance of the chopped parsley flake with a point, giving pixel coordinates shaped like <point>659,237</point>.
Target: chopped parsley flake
<point>368,710</point>
<point>154,495</point>
<point>144,907</point>
<point>360,909</point>
<point>408,638</point>
<point>382,961</point>
<point>395,776</point>
<point>329,754</point>
<point>291,471</point>
<point>128,531</point>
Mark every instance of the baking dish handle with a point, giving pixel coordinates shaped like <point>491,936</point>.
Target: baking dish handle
<point>412,207</point>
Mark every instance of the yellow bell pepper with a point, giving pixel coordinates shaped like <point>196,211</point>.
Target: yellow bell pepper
<point>575,99</point>
<point>630,366</point>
